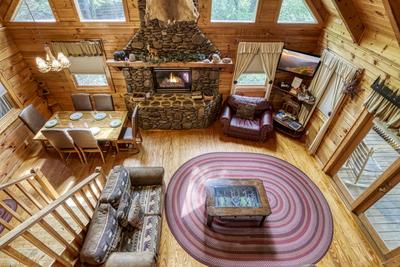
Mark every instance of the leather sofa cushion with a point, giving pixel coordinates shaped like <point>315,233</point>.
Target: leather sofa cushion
<point>150,198</point>
<point>146,238</point>
<point>261,104</point>
<point>244,125</point>
<point>102,237</point>
<point>118,182</point>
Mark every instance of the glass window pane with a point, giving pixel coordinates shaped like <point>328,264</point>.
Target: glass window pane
<point>34,10</point>
<point>375,154</point>
<point>234,10</point>
<point>101,10</point>
<point>384,217</point>
<point>91,80</point>
<point>252,79</point>
<point>295,11</point>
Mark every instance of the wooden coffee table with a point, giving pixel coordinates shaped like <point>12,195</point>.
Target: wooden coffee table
<point>236,198</point>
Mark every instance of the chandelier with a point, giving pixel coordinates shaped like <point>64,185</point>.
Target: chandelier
<point>50,63</point>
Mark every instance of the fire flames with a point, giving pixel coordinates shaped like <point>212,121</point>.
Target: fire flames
<point>173,78</point>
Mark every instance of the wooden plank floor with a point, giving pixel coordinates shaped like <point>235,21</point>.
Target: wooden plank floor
<point>385,214</point>
<point>171,149</point>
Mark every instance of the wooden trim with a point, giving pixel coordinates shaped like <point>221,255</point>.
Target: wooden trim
<point>7,120</point>
<point>389,179</point>
<point>392,8</point>
<point>351,18</point>
<point>344,192</point>
<point>357,132</point>
<point>11,10</point>
<point>394,254</point>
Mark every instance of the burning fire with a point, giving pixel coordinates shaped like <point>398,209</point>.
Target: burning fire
<point>173,78</point>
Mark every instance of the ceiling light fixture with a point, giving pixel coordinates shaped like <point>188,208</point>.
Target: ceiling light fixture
<point>50,63</point>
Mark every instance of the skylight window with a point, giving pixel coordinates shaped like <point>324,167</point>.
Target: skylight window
<point>296,11</point>
<point>34,11</point>
<point>101,10</point>
<point>242,11</point>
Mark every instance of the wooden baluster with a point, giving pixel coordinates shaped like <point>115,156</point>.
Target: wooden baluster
<point>45,226</point>
<point>97,188</point>
<point>58,237</point>
<point>88,202</point>
<point>78,239</point>
<point>44,183</point>
<point>13,196</point>
<point>39,191</point>
<point>101,177</point>
<point>95,198</point>
<point>81,208</point>
<point>39,244</point>
<point>15,254</point>
<point>73,215</point>
<point>29,196</point>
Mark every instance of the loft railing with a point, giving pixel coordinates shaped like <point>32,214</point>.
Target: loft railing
<point>51,226</point>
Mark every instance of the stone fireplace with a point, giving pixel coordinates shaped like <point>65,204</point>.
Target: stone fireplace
<point>171,93</point>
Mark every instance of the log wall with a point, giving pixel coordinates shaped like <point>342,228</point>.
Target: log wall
<point>30,39</point>
<point>16,143</point>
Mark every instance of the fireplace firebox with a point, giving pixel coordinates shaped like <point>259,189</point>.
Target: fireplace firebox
<point>172,80</point>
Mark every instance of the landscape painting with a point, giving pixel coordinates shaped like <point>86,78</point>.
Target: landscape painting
<point>299,63</point>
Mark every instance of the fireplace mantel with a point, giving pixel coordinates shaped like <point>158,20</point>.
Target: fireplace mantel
<point>140,64</point>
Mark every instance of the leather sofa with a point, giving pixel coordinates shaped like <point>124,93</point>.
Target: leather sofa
<point>114,238</point>
<point>247,117</point>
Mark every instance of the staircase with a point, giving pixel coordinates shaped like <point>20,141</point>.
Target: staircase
<point>45,229</point>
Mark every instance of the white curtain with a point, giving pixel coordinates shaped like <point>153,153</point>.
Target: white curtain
<point>319,83</point>
<point>245,54</point>
<point>270,54</point>
<point>344,73</point>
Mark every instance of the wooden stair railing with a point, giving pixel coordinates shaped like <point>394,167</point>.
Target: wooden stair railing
<point>63,218</point>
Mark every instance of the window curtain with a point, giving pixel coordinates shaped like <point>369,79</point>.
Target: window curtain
<point>319,83</point>
<point>78,49</point>
<point>246,52</point>
<point>384,110</point>
<point>343,75</point>
<point>270,54</point>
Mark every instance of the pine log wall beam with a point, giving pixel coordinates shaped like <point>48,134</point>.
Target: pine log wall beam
<point>351,18</point>
<point>318,9</point>
<point>392,8</point>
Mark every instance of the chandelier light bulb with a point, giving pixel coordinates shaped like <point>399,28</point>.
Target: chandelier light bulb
<point>65,63</point>
<point>42,65</point>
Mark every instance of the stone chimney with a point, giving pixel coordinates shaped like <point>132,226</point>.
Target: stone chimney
<point>171,40</point>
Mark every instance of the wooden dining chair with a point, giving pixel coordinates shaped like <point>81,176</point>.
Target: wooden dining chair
<point>32,118</point>
<point>85,141</point>
<point>61,142</point>
<point>81,102</point>
<point>130,136</point>
<point>103,102</point>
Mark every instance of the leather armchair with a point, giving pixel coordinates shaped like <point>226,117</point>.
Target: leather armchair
<point>259,128</point>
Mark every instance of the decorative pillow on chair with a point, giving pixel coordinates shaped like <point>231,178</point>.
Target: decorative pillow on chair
<point>118,181</point>
<point>246,111</point>
<point>102,237</point>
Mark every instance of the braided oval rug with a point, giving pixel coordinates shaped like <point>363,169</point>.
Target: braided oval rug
<point>299,230</point>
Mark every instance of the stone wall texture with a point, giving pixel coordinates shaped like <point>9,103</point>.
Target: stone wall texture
<point>176,41</point>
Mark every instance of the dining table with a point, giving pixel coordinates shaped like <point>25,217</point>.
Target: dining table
<point>103,122</point>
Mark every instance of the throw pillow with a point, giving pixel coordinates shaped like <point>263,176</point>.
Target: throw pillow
<point>246,111</point>
<point>123,209</point>
<point>102,237</point>
<point>135,213</point>
<point>118,181</point>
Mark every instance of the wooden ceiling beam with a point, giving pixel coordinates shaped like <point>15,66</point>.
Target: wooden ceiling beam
<point>318,10</point>
<point>392,8</point>
<point>351,18</point>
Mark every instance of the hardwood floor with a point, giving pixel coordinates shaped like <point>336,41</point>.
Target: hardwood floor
<point>171,149</point>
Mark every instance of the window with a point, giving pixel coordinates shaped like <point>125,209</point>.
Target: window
<point>242,11</point>
<point>296,11</point>
<point>88,71</point>
<point>254,74</point>
<point>34,11</point>
<point>5,103</point>
<point>101,10</point>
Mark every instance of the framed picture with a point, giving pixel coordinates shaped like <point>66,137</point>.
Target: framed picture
<point>299,63</point>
